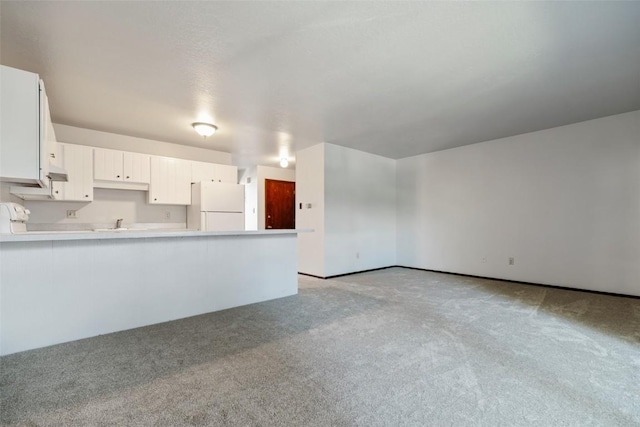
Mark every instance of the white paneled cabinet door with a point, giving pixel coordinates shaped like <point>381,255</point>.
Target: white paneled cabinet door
<point>183,182</point>
<point>20,146</point>
<point>57,187</point>
<point>137,167</point>
<point>78,162</point>
<point>107,165</point>
<point>170,181</point>
<point>160,175</point>
<point>48,141</point>
<point>202,171</point>
<point>227,173</point>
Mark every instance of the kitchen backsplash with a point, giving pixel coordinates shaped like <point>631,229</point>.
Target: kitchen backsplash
<point>107,206</point>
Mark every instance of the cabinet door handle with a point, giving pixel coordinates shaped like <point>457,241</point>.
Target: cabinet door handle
<point>57,191</point>
<point>117,176</point>
<point>127,176</point>
<point>86,195</point>
<point>155,200</point>
<point>53,156</point>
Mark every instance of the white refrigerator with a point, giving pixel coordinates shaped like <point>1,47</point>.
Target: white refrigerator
<point>216,206</point>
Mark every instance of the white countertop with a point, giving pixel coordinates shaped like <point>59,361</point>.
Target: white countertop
<point>35,236</point>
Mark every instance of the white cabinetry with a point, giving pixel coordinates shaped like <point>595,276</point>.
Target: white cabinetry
<point>227,173</point>
<point>77,160</point>
<point>136,167</point>
<point>113,166</point>
<point>25,128</point>
<point>201,171</point>
<point>48,142</point>
<point>107,165</point>
<point>170,181</point>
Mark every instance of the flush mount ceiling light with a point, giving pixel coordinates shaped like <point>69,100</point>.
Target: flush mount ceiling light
<point>204,129</point>
<point>284,162</point>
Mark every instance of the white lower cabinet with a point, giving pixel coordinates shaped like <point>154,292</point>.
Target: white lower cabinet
<point>170,181</point>
<point>78,162</point>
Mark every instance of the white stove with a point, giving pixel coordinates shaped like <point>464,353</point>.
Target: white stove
<point>13,218</point>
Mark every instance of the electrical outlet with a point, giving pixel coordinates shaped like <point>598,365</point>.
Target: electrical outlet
<point>167,214</point>
<point>357,255</point>
<point>72,214</point>
<point>512,260</point>
<point>484,260</point>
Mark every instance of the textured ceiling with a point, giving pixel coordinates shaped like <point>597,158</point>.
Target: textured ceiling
<point>395,79</point>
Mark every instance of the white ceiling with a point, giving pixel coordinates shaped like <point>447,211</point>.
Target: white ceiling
<point>395,79</point>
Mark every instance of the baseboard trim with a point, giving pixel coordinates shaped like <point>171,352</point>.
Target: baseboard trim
<point>347,274</point>
<point>311,275</point>
<point>524,283</point>
<point>479,277</point>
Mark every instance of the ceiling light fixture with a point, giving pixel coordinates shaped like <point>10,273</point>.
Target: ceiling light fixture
<point>204,129</point>
<point>284,162</point>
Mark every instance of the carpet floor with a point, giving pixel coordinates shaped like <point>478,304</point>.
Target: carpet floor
<point>394,347</point>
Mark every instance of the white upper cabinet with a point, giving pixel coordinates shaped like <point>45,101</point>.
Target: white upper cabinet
<point>170,181</point>
<point>77,160</point>
<point>228,173</point>
<point>25,128</point>
<point>49,149</point>
<point>202,171</point>
<point>120,166</point>
<point>136,167</point>
<point>108,165</point>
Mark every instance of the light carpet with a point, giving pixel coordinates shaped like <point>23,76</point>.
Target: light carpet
<point>394,347</point>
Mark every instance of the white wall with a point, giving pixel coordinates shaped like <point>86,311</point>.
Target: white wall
<point>267,172</point>
<point>360,212</point>
<point>353,213</point>
<point>564,202</point>
<point>310,191</point>
<point>249,178</point>
<point>254,191</point>
<point>107,206</point>
<point>94,138</point>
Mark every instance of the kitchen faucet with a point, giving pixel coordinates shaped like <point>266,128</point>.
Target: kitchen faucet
<point>119,223</point>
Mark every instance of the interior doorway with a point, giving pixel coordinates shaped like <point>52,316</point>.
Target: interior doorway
<point>279,204</point>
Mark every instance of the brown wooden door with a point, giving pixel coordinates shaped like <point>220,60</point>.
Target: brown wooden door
<point>280,204</point>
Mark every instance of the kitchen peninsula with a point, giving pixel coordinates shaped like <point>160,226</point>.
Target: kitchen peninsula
<point>59,287</point>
